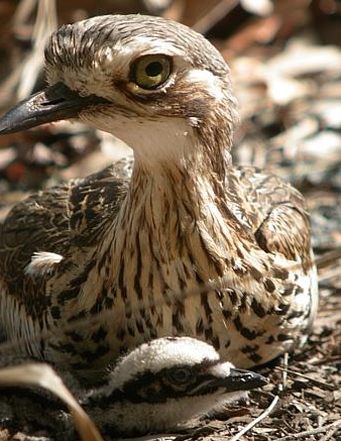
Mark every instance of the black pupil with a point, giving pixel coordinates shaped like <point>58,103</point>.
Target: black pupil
<point>181,375</point>
<point>154,69</point>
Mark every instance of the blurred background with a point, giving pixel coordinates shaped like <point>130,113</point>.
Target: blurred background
<point>286,68</point>
<point>285,59</point>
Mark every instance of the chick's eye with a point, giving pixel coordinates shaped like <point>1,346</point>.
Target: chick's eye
<point>180,376</point>
<point>151,71</point>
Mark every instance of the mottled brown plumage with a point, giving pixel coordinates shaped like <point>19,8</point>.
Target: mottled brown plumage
<point>126,243</point>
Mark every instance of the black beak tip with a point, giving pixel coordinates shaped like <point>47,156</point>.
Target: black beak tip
<point>247,380</point>
<point>54,103</point>
<point>257,380</point>
<point>6,125</point>
<point>22,116</point>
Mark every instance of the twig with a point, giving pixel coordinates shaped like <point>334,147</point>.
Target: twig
<point>285,371</point>
<point>214,15</point>
<point>46,22</point>
<point>44,376</point>
<point>333,426</point>
<point>318,383</point>
<point>273,404</point>
<point>328,258</point>
<point>257,420</point>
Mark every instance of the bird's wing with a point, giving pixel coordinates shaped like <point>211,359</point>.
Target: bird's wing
<point>56,222</point>
<point>276,214</point>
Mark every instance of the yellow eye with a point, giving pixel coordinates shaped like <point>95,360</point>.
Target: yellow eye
<point>150,71</point>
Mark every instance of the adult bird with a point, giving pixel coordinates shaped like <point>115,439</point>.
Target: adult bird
<point>182,242</point>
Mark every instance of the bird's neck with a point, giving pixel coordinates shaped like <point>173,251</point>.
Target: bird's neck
<point>180,171</point>
<point>178,161</point>
<point>176,205</point>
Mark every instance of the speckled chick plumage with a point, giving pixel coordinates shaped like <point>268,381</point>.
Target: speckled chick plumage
<point>164,384</point>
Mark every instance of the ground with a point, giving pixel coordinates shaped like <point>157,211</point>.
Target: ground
<point>286,68</point>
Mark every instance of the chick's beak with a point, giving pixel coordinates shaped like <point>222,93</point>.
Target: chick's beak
<point>236,380</point>
<point>51,104</point>
<point>240,379</point>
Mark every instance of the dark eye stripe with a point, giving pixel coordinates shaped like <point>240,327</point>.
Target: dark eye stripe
<point>155,387</point>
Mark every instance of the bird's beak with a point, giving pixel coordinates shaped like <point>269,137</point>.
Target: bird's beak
<point>240,379</point>
<point>51,104</point>
<point>237,380</point>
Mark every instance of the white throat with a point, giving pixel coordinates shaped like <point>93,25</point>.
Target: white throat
<point>165,141</point>
<point>155,142</point>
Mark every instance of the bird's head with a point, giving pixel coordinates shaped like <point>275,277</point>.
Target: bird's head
<point>163,384</point>
<point>145,79</point>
